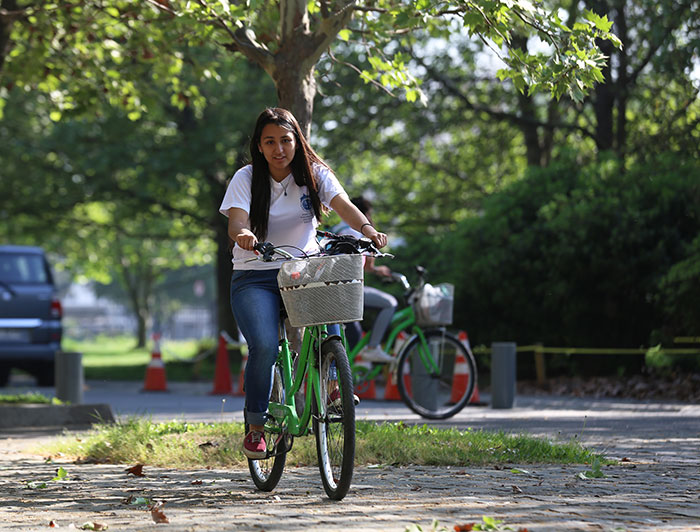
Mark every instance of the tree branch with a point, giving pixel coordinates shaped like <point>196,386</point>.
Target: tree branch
<point>452,88</point>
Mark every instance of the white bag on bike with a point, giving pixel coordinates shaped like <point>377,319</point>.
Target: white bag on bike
<point>433,305</point>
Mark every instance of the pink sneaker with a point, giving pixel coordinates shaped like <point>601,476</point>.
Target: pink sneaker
<point>254,446</point>
<point>335,401</point>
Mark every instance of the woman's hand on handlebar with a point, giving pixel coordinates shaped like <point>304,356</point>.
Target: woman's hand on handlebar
<point>379,239</point>
<point>246,239</point>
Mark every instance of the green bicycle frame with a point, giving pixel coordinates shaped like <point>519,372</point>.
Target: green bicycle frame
<point>404,319</point>
<point>285,414</point>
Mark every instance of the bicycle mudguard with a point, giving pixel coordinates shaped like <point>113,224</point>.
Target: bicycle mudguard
<point>331,337</point>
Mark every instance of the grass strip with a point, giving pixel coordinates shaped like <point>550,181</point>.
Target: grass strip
<point>116,358</point>
<point>185,445</point>
<point>28,398</point>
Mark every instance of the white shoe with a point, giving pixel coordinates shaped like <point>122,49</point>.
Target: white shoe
<point>375,354</point>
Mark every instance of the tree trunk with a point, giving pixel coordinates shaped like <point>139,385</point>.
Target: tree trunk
<point>527,108</point>
<point>622,82</point>
<point>604,98</point>
<point>224,316</point>
<point>5,25</point>
<point>296,90</point>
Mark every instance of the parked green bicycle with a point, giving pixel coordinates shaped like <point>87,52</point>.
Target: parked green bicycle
<point>311,289</point>
<point>435,373</point>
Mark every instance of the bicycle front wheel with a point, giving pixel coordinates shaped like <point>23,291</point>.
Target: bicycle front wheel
<point>266,472</point>
<point>334,421</point>
<point>436,379</point>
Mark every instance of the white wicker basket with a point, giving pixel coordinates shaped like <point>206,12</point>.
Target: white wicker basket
<point>322,290</point>
<point>433,305</point>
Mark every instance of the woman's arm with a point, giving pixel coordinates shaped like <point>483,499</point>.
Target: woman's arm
<point>352,216</point>
<point>238,229</point>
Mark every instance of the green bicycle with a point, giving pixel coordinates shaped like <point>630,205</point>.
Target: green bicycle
<point>311,288</point>
<point>435,373</point>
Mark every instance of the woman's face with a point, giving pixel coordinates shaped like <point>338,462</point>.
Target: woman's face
<point>278,146</point>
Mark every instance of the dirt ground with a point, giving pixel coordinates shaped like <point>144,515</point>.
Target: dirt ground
<point>653,486</point>
<point>647,386</point>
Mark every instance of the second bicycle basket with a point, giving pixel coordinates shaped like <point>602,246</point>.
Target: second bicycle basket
<point>321,290</point>
<point>433,305</point>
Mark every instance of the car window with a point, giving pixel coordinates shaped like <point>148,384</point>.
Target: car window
<point>18,268</point>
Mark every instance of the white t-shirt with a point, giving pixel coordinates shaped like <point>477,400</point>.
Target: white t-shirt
<point>291,221</point>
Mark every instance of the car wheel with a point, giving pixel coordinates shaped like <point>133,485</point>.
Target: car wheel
<point>45,374</point>
<point>5,375</point>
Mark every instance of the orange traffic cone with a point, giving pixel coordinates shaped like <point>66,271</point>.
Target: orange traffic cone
<point>155,380</point>
<point>399,343</point>
<point>461,365</point>
<point>241,374</point>
<point>222,373</point>
<point>366,389</point>
<point>391,392</point>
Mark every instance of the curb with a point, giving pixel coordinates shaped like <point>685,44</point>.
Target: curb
<point>39,415</point>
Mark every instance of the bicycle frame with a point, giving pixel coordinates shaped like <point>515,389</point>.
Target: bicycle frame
<point>285,415</point>
<point>404,319</point>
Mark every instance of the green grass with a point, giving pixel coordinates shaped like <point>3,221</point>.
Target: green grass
<point>182,445</point>
<point>117,358</point>
<point>28,398</point>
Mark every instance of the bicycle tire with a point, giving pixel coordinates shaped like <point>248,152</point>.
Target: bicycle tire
<point>436,395</point>
<point>267,472</point>
<point>334,426</point>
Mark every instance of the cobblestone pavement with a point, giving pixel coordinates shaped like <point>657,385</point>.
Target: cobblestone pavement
<point>654,486</point>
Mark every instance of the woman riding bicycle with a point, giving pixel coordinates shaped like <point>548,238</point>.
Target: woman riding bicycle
<point>279,197</point>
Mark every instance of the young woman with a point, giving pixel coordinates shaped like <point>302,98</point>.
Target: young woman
<point>279,197</point>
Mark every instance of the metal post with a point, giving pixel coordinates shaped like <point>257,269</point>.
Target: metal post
<point>502,374</point>
<point>423,386</point>
<point>69,377</point>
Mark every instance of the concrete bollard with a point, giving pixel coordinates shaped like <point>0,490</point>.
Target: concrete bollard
<point>423,387</point>
<point>503,366</point>
<point>69,377</point>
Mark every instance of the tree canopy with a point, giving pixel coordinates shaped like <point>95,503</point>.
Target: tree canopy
<point>82,52</point>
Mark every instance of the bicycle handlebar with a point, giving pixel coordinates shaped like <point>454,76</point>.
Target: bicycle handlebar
<point>338,244</point>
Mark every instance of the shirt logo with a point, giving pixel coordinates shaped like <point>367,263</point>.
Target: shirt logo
<point>307,213</point>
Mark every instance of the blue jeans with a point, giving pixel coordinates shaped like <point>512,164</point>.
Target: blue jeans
<point>255,302</point>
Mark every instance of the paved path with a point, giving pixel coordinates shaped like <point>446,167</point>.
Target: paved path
<point>655,486</point>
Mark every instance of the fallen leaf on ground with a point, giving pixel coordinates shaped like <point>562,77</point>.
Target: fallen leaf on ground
<point>91,525</point>
<point>136,470</point>
<point>157,514</point>
<point>53,524</point>
<point>61,474</point>
<point>464,528</point>
<point>137,501</point>
<point>196,482</point>
<point>520,471</point>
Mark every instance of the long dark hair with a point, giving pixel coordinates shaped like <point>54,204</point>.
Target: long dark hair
<point>302,169</point>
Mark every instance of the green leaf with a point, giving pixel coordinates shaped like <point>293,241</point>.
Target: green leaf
<point>344,34</point>
<point>61,474</point>
<point>601,23</point>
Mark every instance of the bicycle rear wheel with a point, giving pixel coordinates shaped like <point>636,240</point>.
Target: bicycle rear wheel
<point>266,473</point>
<point>334,422</point>
<point>440,385</point>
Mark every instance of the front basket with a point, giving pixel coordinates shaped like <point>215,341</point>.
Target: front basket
<point>322,290</point>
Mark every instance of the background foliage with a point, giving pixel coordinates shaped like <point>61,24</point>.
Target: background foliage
<point>569,220</point>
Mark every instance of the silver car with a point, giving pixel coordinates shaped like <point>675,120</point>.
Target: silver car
<point>30,314</point>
